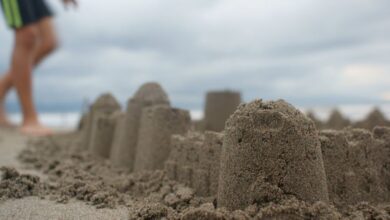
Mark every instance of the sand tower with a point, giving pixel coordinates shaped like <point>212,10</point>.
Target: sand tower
<point>374,118</point>
<point>219,106</point>
<point>103,133</point>
<point>150,94</point>
<point>337,121</point>
<point>270,149</point>
<point>158,124</point>
<point>105,105</point>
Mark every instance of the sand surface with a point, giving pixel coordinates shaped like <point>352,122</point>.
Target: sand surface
<point>11,144</point>
<point>32,208</point>
<point>270,162</point>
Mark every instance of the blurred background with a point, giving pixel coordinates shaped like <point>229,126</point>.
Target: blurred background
<point>315,54</point>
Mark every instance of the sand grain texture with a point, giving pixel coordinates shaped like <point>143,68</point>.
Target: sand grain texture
<point>194,160</point>
<point>272,168</point>
<point>270,150</point>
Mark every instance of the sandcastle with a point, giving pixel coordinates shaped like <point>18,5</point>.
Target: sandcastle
<point>103,134</point>
<point>337,121</point>
<point>104,106</point>
<point>270,162</point>
<point>158,124</point>
<point>356,164</point>
<point>219,106</point>
<point>270,147</point>
<point>117,133</point>
<point>374,118</point>
<point>124,150</point>
<point>194,160</point>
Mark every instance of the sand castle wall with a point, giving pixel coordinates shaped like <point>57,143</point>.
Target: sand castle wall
<point>194,161</point>
<point>124,150</point>
<point>118,132</point>
<point>102,134</point>
<point>382,159</point>
<point>356,164</point>
<point>337,121</point>
<point>105,105</point>
<point>158,124</point>
<point>270,148</point>
<point>219,106</point>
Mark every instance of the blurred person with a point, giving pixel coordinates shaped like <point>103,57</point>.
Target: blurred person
<point>34,39</point>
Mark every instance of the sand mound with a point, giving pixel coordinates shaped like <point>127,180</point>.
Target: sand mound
<point>15,185</point>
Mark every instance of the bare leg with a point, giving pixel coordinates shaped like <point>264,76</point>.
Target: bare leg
<point>5,86</point>
<point>47,42</point>
<point>21,71</point>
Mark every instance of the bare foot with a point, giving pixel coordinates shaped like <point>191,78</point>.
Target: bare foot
<point>35,130</point>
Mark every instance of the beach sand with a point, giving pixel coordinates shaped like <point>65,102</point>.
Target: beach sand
<point>35,208</point>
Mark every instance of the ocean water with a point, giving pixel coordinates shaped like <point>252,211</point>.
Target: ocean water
<point>69,120</point>
<point>61,120</point>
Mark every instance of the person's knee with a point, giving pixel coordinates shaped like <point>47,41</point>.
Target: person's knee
<point>27,37</point>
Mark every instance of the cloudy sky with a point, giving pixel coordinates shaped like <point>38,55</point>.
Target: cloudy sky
<point>311,53</point>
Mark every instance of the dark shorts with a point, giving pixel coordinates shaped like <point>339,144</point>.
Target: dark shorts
<point>20,13</point>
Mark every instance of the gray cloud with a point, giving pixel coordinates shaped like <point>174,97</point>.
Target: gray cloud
<point>308,52</point>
